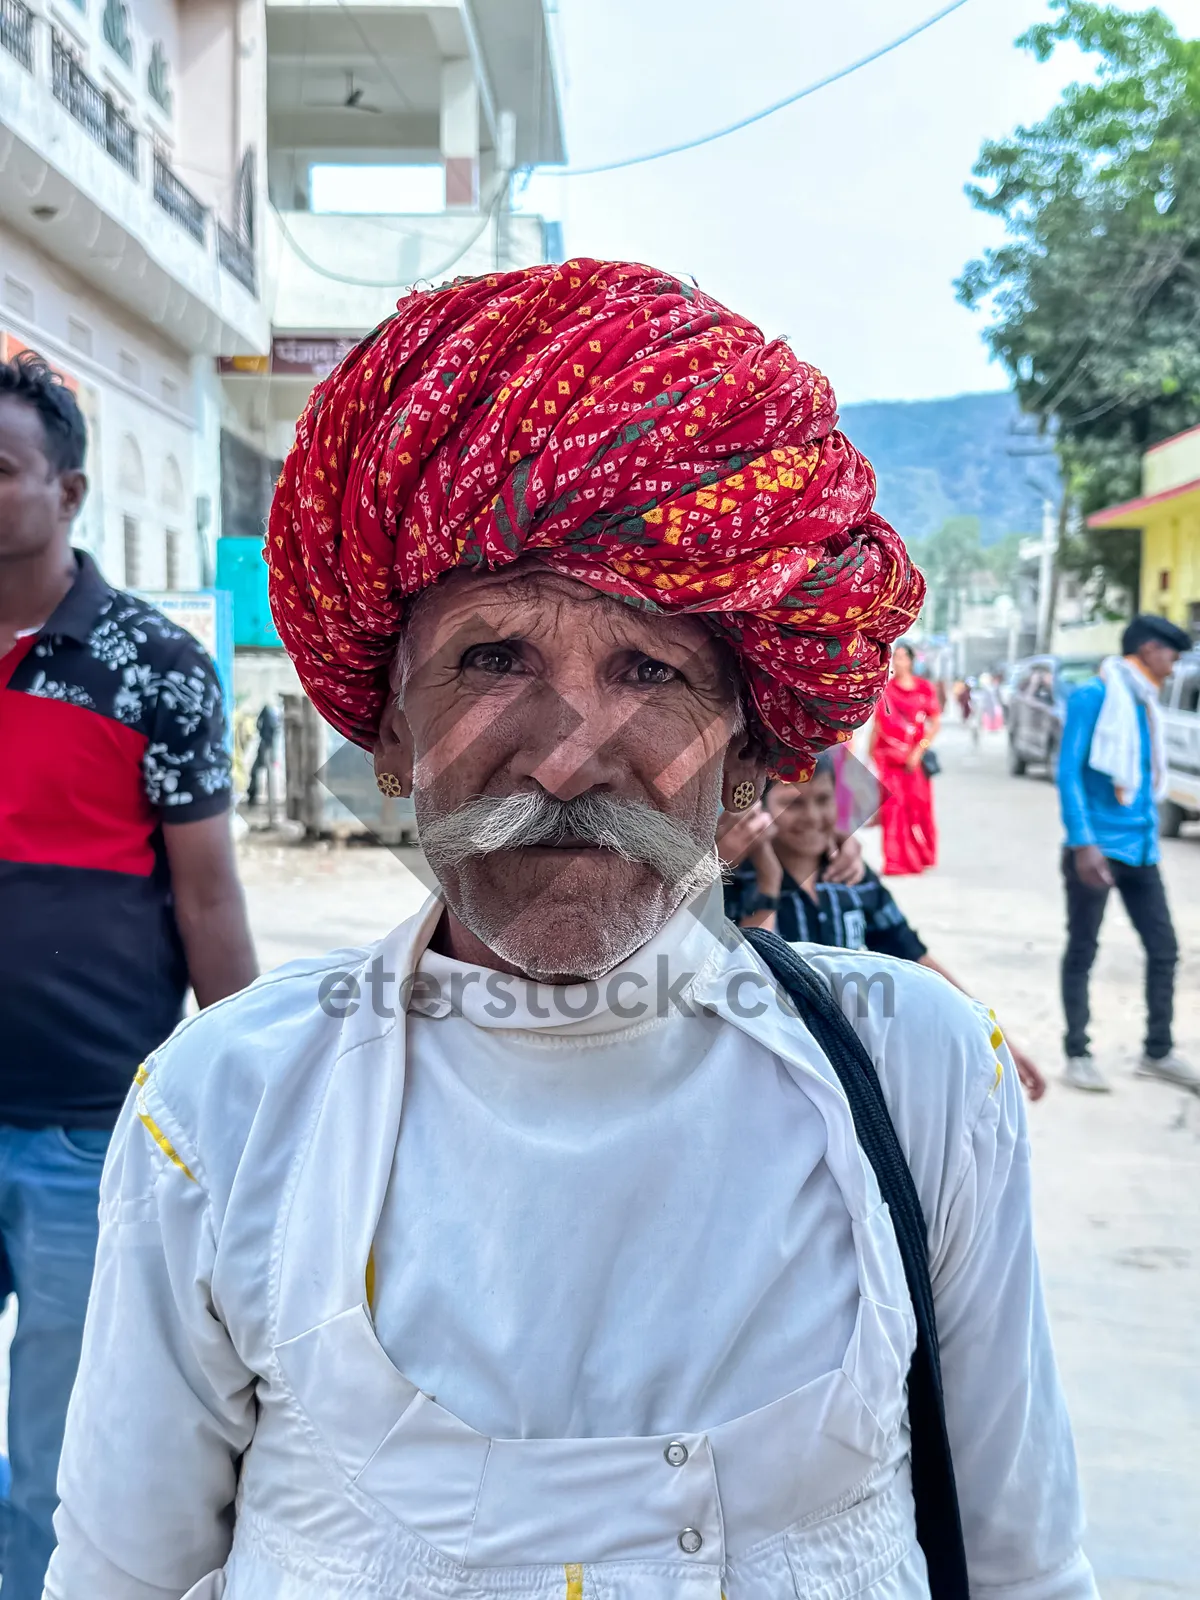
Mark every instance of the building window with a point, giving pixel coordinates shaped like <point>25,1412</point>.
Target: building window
<point>131,474</point>
<point>115,27</point>
<point>129,367</point>
<point>18,297</point>
<point>133,552</point>
<point>172,485</point>
<point>79,335</point>
<point>374,187</point>
<point>174,558</point>
<point>158,78</point>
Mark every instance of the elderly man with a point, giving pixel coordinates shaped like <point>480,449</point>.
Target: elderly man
<point>535,1251</point>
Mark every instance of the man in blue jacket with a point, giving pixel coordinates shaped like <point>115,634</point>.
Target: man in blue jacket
<point>1111,774</point>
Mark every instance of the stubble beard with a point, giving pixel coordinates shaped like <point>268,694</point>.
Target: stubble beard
<point>558,915</point>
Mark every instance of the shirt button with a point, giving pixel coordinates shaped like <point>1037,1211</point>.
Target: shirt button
<point>690,1541</point>
<point>676,1453</point>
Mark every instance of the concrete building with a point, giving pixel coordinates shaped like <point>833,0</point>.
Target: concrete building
<point>435,102</point>
<point>394,127</point>
<point>1167,515</point>
<point>132,189</point>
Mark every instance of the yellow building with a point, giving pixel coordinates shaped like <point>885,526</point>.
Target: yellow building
<point>1168,517</point>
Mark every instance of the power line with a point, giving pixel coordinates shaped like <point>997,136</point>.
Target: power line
<point>1103,407</point>
<point>767,111</point>
<point>392,283</point>
<point>1066,371</point>
<point>1131,300</point>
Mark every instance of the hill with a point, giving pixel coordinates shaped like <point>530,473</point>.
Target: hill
<point>945,458</point>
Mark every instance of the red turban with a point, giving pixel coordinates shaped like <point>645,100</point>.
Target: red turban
<point>630,432</point>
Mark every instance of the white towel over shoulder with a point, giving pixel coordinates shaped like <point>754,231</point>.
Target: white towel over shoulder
<point>1117,738</point>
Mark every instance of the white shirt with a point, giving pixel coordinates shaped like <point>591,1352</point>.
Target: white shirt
<point>614,1150</point>
<point>530,1352</point>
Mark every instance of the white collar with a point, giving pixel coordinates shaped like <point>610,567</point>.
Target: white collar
<point>650,986</point>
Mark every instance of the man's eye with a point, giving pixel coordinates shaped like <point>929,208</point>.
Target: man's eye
<point>494,658</point>
<point>650,671</point>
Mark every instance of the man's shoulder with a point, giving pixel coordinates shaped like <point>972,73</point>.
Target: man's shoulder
<point>868,888</point>
<point>1087,697</point>
<point>892,1002</point>
<point>939,1055</point>
<point>260,1051</point>
<point>138,630</point>
<point>145,623</point>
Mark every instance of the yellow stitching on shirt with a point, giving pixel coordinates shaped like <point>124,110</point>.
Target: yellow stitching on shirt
<point>574,1574</point>
<point>164,1144</point>
<point>370,1277</point>
<point>997,1039</point>
<point>140,1076</point>
<point>999,1075</point>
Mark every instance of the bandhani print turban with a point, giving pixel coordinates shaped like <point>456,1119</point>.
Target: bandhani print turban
<point>628,431</point>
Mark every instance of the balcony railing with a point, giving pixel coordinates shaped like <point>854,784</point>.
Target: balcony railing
<point>92,108</point>
<point>177,200</point>
<point>16,31</point>
<point>237,257</point>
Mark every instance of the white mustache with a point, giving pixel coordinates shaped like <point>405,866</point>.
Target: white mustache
<point>629,829</point>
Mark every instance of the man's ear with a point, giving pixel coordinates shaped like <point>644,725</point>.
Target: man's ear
<point>394,745</point>
<point>744,764</point>
<point>72,491</point>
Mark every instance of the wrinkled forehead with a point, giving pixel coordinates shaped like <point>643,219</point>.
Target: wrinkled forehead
<point>529,600</point>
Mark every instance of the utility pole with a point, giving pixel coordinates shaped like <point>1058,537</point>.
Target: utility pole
<point>1047,574</point>
<point>506,160</point>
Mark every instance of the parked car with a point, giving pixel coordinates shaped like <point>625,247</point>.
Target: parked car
<point>1004,688</point>
<point>1038,705</point>
<point>1180,701</point>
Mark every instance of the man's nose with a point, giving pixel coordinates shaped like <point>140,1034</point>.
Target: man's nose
<point>573,742</point>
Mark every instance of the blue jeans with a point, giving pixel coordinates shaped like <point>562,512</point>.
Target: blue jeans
<point>49,1194</point>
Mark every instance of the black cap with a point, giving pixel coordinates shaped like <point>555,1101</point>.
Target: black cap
<point>1145,628</point>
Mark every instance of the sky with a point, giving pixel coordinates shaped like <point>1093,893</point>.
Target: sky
<point>841,222</point>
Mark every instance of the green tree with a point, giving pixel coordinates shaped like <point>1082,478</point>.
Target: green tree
<point>1094,297</point>
<point>949,559</point>
<point>1002,560</point>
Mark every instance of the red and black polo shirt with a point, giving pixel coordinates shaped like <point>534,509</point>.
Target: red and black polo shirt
<point>111,724</point>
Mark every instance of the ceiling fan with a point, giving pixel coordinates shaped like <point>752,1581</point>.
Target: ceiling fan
<point>353,100</point>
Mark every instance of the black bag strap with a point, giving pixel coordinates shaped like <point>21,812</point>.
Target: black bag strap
<point>939,1528</point>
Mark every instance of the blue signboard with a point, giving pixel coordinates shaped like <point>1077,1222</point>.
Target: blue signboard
<point>242,571</point>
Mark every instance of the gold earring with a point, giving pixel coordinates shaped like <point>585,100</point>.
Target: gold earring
<point>744,795</point>
<point>389,784</point>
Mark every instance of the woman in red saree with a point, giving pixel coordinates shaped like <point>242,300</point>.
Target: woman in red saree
<point>906,724</point>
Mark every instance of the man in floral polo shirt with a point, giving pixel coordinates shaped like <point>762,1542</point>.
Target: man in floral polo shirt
<point>118,891</point>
